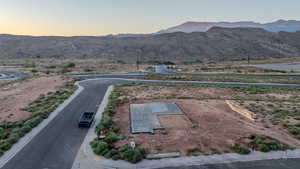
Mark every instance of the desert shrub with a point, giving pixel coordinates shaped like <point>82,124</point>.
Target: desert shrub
<point>34,71</point>
<point>18,123</point>
<point>17,131</point>
<point>34,121</point>
<point>29,64</point>
<point>26,129</point>
<point>105,124</point>
<point>65,70</point>
<point>108,155</point>
<point>87,70</point>
<point>124,148</point>
<point>116,156</point>
<point>133,155</point>
<point>294,131</point>
<point>266,144</point>
<point>111,138</point>
<point>264,148</point>
<point>70,65</point>
<point>112,153</point>
<point>241,149</point>
<point>99,147</point>
<point>3,135</point>
<point>5,146</point>
<point>13,138</point>
<point>106,147</point>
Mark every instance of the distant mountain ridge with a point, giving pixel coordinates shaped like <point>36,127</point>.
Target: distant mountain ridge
<point>216,44</point>
<point>277,26</point>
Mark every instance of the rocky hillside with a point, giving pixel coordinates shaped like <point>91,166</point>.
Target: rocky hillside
<point>280,25</point>
<point>217,44</point>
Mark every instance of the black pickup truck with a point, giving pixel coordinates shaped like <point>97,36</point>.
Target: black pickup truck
<point>86,119</point>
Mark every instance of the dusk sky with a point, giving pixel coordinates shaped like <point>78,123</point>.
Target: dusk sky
<point>101,17</point>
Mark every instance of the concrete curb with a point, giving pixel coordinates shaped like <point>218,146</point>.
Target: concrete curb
<point>35,131</point>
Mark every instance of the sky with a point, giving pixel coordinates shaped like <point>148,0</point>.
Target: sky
<point>102,17</point>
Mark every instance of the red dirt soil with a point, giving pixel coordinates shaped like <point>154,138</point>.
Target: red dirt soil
<point>18,95</point>
<point>208,127</point>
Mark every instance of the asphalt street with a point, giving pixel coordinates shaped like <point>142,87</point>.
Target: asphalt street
<point>56,146</point>
<point>10,75</point>
<point>163,69</point>
<point>295,66</point>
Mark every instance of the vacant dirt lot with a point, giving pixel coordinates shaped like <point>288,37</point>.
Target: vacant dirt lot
<point>209,126</point>
<point>15,96</point>
<point>72,66</point>
<point>144,91</point>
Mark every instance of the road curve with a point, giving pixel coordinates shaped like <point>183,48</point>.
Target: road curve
<point>56,146</point>
<point>10,75</point>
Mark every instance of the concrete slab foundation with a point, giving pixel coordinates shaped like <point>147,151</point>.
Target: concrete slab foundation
<point>144,116</point>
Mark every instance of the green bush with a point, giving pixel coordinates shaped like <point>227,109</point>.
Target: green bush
<point>294,131</point>
<point>3,135</point>
<point>105,124</point>
<point>106,148</point>
<point>108,154</point>
<point>26,129</point>
<point>5,146</point>
<point>241,149</point>
<point>34,71</point>
<point>69,65</point>
<point>133,155</point>
<point>264,148</point>
<point>29,64</point>
<point>13,138</point>
<point>99,147</point>
<point>110,138</point>
<point>116,157</point>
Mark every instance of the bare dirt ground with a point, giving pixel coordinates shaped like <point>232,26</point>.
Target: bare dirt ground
<point>70,66</point>
<point>234,66</point>
<point>15,96</point>
<point>144,91</point>
<point>209,126</point>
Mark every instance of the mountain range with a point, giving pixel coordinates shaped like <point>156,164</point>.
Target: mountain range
<point>216,44</point>
<point>277,26</point>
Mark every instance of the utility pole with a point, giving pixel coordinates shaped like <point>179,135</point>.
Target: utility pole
<point>248,58</point>
<point>138,59</point>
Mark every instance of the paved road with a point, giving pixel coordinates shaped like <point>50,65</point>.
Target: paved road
<point>10,75</point>
<point>297,76</point>
<point>56,146</point>
<point>163,69</point>
<point>295,66</point>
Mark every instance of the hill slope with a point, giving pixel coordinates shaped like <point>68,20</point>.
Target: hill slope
<point>214,45</point>
<point>277,26</point>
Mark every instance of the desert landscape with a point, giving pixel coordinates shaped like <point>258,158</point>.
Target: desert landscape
<point>209,125</point>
